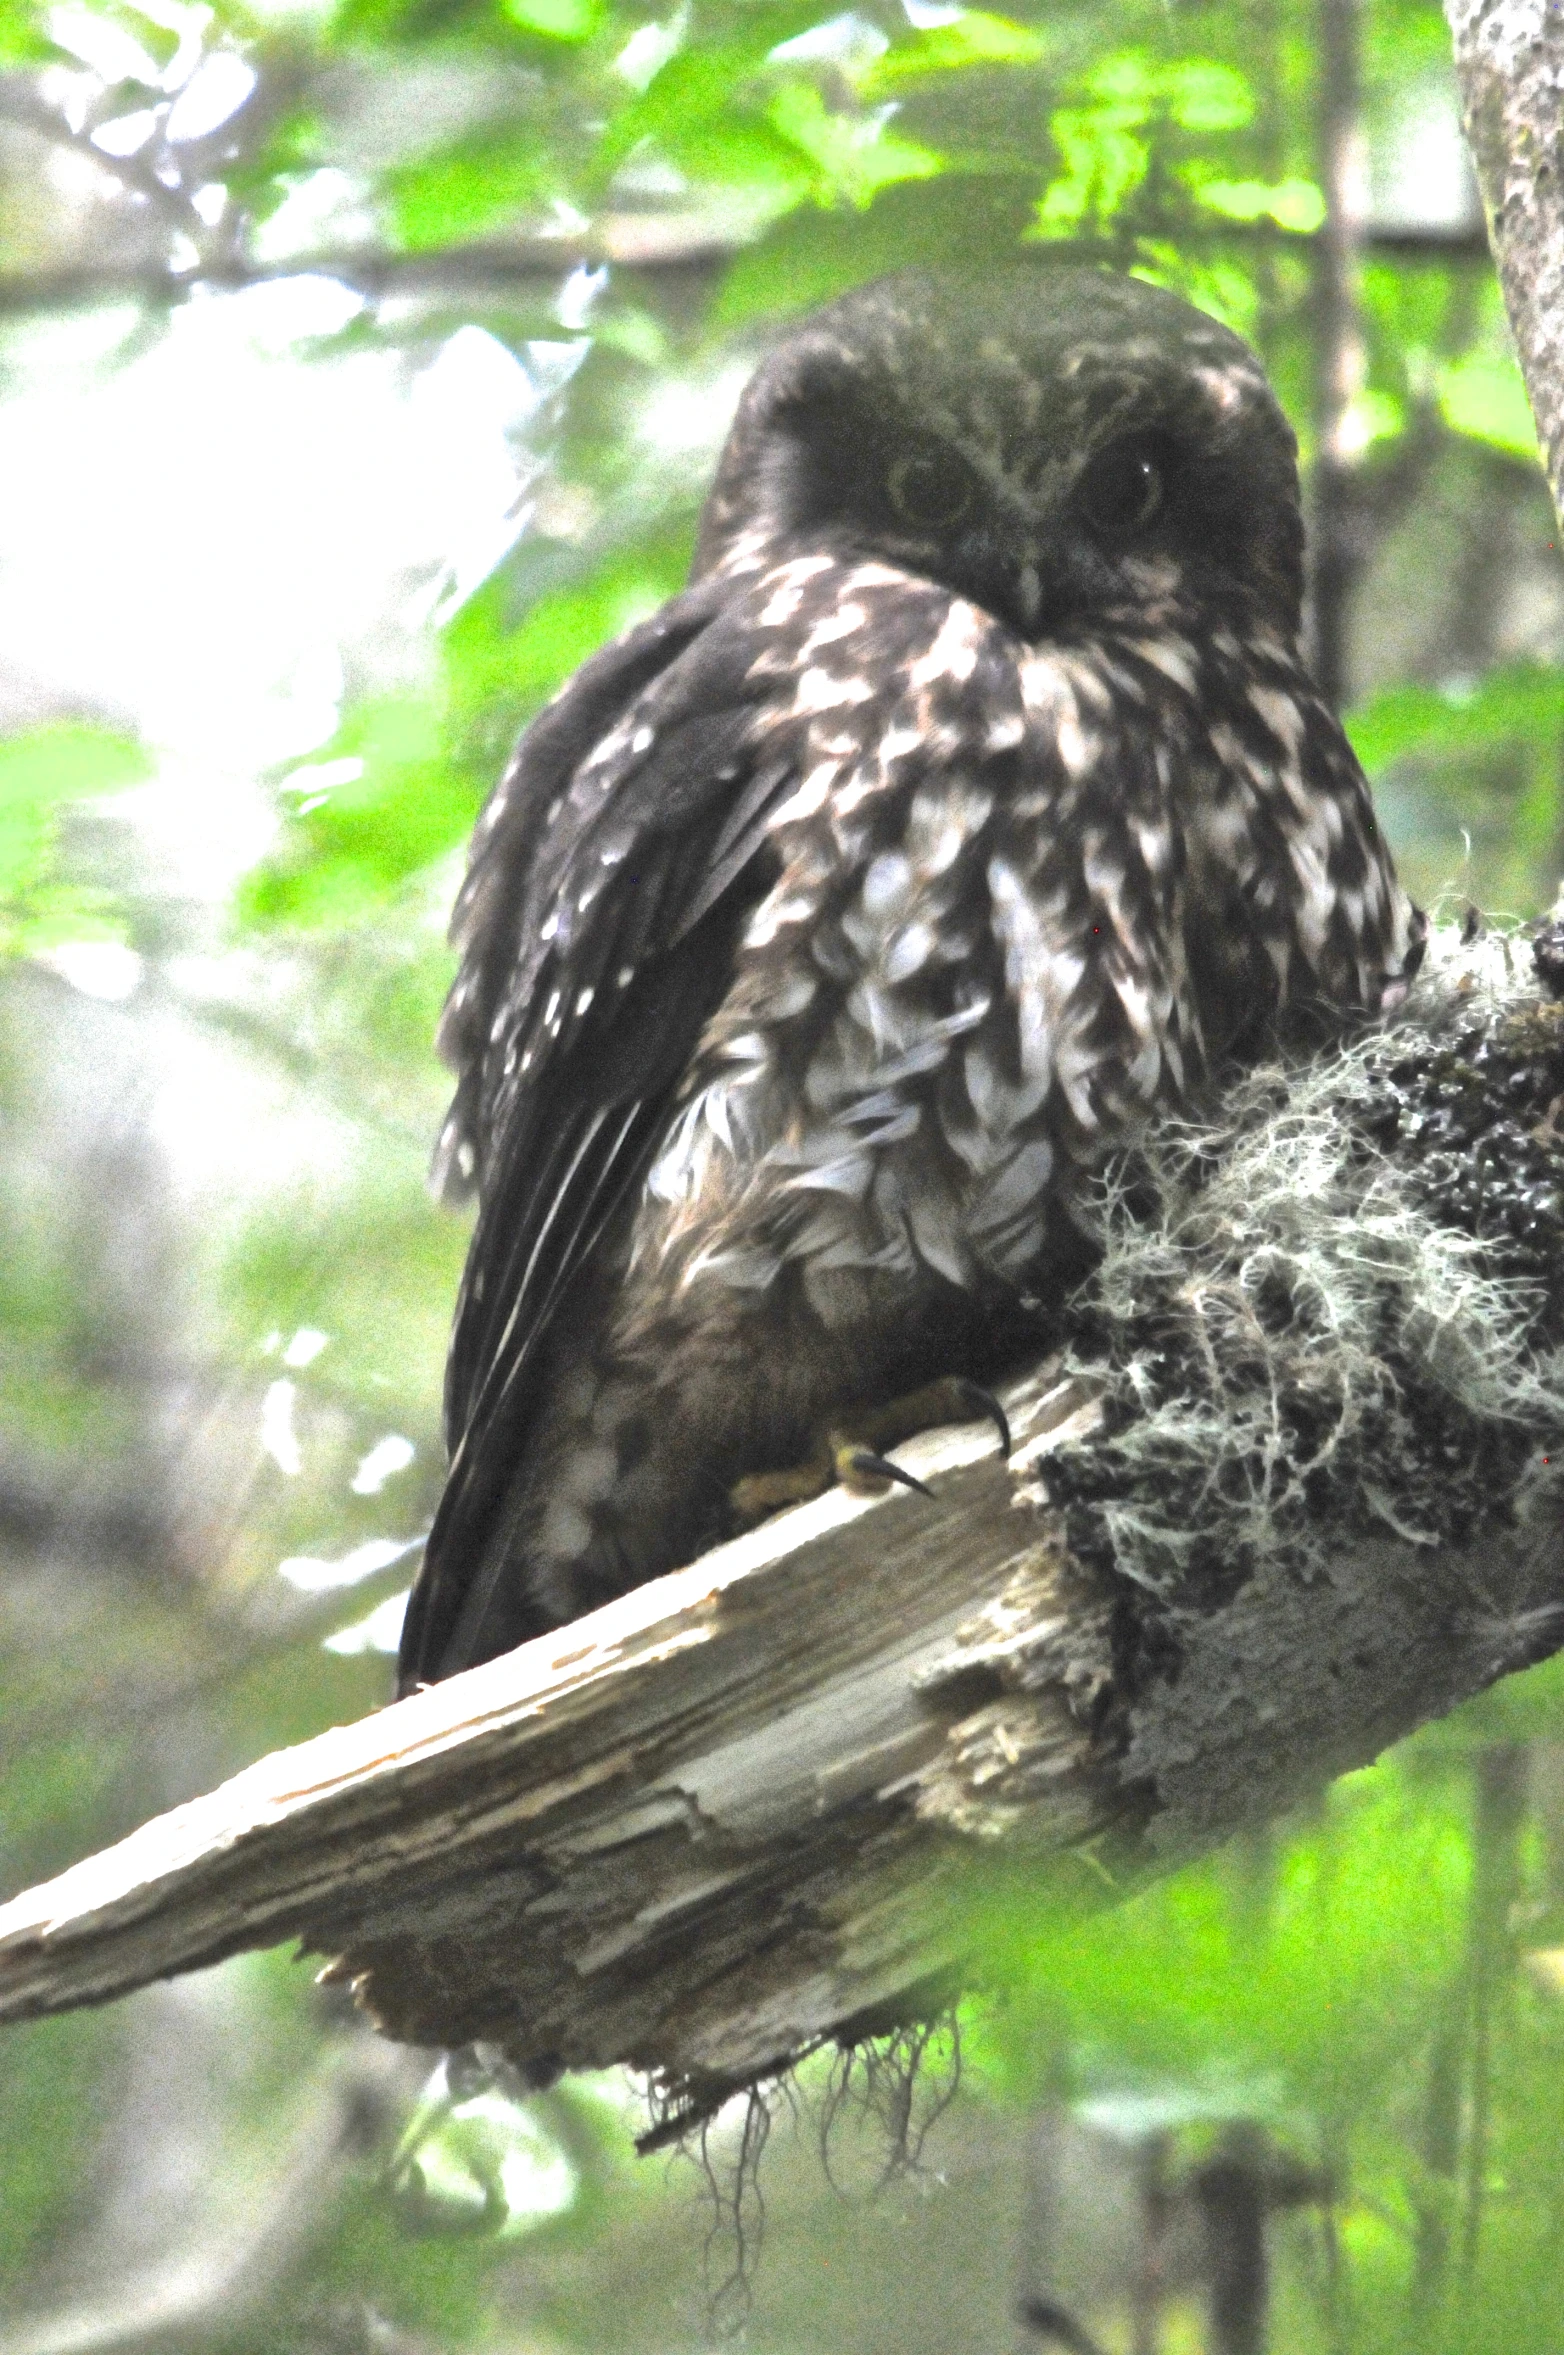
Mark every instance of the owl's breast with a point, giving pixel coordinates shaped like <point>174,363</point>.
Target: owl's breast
<point>1295,906</point>
<point>968,983</point>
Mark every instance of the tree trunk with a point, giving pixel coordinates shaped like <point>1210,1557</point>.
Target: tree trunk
<point>1509,55</point>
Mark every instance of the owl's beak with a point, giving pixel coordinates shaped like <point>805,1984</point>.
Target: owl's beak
<point>1041,593</point>
<point>1022,575</point>
<point>1043,579</point>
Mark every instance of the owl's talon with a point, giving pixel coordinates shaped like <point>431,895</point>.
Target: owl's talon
<point>850,1453</point>
<point>866,1474</point>
<point>983,1406</point>
<point>760,1494</point>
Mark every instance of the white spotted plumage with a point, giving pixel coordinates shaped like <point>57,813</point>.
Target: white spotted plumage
<point>828,928</point>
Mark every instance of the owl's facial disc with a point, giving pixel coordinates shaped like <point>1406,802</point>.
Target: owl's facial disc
<point>1064,450</point>
<point>1047,550</point>
<point>1039,542</point>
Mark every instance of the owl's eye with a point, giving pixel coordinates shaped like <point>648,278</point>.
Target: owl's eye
<point>929,493</point>
<point>1122,489</point>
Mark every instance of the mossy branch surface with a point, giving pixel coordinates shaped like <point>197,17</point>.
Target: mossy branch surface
<point>1289,1488</point>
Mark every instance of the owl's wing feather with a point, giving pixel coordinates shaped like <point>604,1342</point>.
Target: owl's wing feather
<point>497,958</point>
<point>617,859</point>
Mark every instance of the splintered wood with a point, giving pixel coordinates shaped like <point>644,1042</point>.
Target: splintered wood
<point>696,1831</point>
<point>737,1812</point>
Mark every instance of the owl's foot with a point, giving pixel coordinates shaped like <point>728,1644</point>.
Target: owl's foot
<point>851,1454</point>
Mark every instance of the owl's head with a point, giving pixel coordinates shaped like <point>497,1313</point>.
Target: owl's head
<point>1060,446</point>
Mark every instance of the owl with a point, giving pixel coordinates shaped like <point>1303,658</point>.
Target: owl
<point>828,930</point>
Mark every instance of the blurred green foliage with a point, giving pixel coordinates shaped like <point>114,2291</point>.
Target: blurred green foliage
<point>629,201</point>
<point>1320,1981</point>
<point>41,775</point>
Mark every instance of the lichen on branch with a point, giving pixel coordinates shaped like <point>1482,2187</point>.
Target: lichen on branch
<point>1335,1309</point>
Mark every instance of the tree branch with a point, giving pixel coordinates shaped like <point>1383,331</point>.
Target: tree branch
<point>738,1811</point>
<point>23,104</point>
<point>646,247</point>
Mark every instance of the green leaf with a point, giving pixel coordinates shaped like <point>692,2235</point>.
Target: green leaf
<point>265,176</point>
<point>1128,83</point>
<point>556,20</point>
<point>40,774</point>
<point>853,157</point>
<point>1202,94</point>
<point>1484,395</point>
<point>751,155</point>
<point>707,91</point>
<point>1105,161</point>
<point>24,36</point>
<point>397,788</point>
<point>464,189</point>
<point>500,670</point>
<point>1521,702</point>
<point>1129,104</point>
<point>376,808</point>
<point>481,28</point>
<point>1295,205</point>
<point>1357,1942</point>
<point>1215,284</point>
<point>974,38</point>
<point>67,761</point>
<point>1374,416</point>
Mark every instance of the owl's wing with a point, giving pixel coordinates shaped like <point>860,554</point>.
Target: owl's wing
<point>610,871</point>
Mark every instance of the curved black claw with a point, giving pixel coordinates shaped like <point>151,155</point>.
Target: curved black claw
<point>860,1464</point>
<point>985,1406</point>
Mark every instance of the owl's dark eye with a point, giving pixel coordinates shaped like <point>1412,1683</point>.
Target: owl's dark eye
<point>1123,488</point>
<point>929,493</point>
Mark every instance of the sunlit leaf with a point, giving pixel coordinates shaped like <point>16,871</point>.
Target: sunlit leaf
<point>853,157</point>
<point>24,33</point>
<point>747,154</point>
<point>1295,205</point>
<point>1519,702</point>
<point>1105,161</point>
<point>1213,282</point>
<point>498,664</point>
<point>40,774</point>
<point>974,38</point>
<point>1128,81</point>
<point>1484,395</point>
<point>375,809</point>
<point>67,761</point>
<point>557,20</point>
<point>486,177</point>
<point>1204,95</point>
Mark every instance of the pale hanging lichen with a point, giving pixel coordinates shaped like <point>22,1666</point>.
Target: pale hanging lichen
<point>1337,1304</point>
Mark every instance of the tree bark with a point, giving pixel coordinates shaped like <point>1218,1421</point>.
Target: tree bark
<point>1509,55</point>
<point>739,1811</point>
